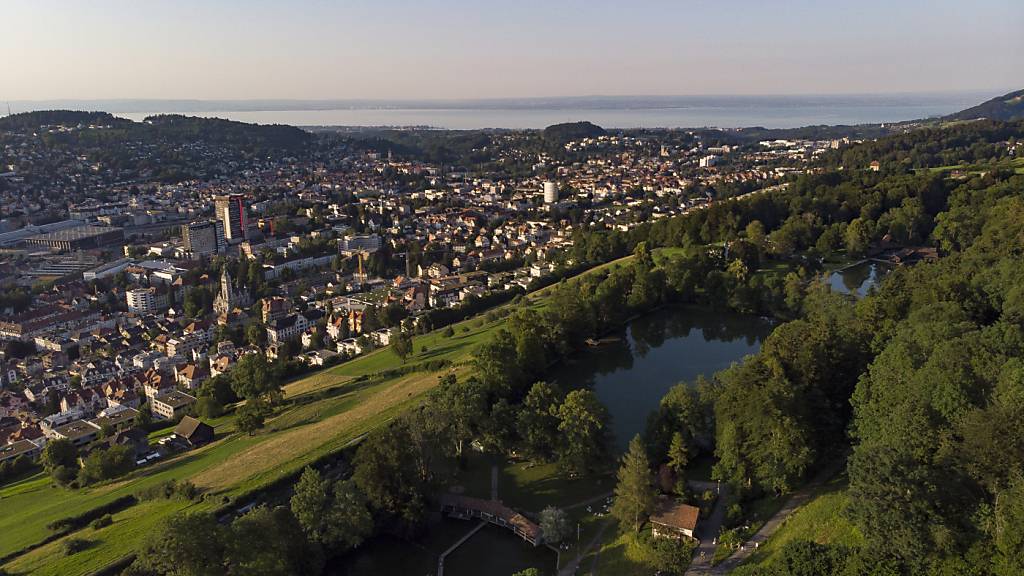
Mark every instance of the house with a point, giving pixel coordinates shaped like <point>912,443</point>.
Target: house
<point>193,431</point>
<point>673,520</point>
<point>9,452</point>
<point>117,419</point>
<point>170,405</point>
<point>78,432</point>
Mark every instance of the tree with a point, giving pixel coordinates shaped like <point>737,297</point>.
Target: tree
<point>497,363</point>
<point>634,495</point>
<point>755,234</point>
<point>333,515</point>
<point>255,335</point>
<point>252,378</point>
<point>208,407</point>
<point>402,344</point>
<point>1009,529</point>
<point>678,454</point>
<point>184,545</point>
<point>667,555</point>
<point>554,525</point>
<point>59,453</point>
<point>269,542</point>
<point>144,418</point>
<point>105,464</point>
<point>388,470</point>
<point>460,408</point>
<point>537,421</point>
<point>582,422</point>
<point>251,416</point>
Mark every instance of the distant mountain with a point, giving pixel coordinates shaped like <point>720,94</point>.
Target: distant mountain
<point>1007,107</point>
<point>562,133</point>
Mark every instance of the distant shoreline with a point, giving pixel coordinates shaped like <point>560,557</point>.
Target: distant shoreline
<point>616,112</point>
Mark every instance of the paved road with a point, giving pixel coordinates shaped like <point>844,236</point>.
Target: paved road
<point>708,529</point>
<point>598,539</point>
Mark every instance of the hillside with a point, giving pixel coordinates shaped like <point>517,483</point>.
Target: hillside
<point>562,133</point>
<point>1007,107</point>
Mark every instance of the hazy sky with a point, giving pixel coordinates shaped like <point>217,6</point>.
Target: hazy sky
<point>513,48</point>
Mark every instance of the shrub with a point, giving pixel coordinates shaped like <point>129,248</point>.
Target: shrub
<point>74,546</point>
<point>170,489</point>
<point>83,519</point>
<point>102,522</point>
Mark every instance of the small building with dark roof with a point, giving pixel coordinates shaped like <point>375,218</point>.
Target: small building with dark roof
<point>194,431</point>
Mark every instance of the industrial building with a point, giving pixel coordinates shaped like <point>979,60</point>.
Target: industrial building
<point>80,237</point>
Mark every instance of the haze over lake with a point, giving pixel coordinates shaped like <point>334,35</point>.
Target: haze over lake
<point>610,112</point>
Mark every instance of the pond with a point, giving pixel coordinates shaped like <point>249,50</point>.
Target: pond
<point>629,376</point>
<point>656,352</point>
<point>859,278</point>
<point>492,550</point>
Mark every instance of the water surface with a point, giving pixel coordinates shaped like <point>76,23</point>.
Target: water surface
<point>656,352</point>
<point>859,278</point>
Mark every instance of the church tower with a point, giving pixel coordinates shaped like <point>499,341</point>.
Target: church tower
<point>225,299</point>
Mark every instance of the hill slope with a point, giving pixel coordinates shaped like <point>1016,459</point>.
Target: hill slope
<point>1007,107</point>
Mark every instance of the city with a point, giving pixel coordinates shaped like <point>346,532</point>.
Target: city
<point>514,291</point>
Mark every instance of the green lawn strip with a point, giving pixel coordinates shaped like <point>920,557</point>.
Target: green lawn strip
<point>532,487</point>
<point>107,544</point>
<point>621,555</point>
<point>820,520</point>
<point>27,510</point>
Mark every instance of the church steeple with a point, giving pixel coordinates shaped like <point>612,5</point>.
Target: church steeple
<point>226,288</point>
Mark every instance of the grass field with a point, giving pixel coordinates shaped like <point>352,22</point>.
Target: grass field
<point>820,520</point>
<point>621,556</point>
<point>324,412</point>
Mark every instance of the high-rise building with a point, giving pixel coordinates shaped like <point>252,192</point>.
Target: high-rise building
<point>231,212</point>
<point>203,238</point>
<point>550,192</point>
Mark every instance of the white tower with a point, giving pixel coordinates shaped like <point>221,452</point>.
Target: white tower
<point>550,192</point>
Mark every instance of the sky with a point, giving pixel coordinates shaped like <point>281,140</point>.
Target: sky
<point>445,49</point>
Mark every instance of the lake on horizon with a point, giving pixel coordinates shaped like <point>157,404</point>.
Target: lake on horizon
<point>624,112</point>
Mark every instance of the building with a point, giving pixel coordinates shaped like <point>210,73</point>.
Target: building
<point>170,405</point>
<point>230,211</point>
<point>673,520</point>
<point>550,192</point>
<point>146,300</point>
<point>81,237</point>
<point>193,432</point>
<point>26,448</point>
<point>368,243</point>
<point>708,161</point>
<point>79,432</point>
<point>228,298</point>
<point>274,308</point>
<point>202,239</point>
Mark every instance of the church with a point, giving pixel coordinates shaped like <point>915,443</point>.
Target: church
<point>228,299</point>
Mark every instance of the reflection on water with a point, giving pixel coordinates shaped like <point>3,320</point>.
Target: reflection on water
<point>658,351</point>
<point>492,550</point>
<point>860,278</point>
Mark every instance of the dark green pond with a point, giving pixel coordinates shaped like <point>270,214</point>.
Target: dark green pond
<point>859,278</point>
<point>656,352</point>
